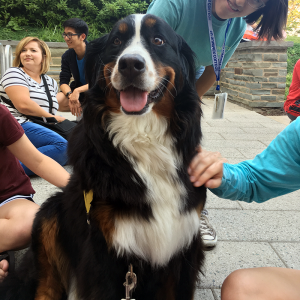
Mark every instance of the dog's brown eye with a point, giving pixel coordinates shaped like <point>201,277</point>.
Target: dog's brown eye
<point>158,41</point>
<point>117,42</point>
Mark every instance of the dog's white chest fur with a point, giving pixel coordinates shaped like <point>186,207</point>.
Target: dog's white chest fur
<point>144,141</point>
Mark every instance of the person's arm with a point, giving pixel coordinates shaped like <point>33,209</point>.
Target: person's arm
<point>65,88</point>
<point>74,103</point>
<point>65,73</point>
<point>272,173</point>
<point>76,93</point>
<point>208,78</point>
<point>20,97</point>
<point>206,81</point>
<point>73,98</point>
<point>39,163</point>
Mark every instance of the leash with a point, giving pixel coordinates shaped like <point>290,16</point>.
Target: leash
<point>130,283</point>
<point>88,198</point>
<point>131,279</point>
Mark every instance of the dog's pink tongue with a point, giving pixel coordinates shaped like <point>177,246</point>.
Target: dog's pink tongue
<point>133,99</point>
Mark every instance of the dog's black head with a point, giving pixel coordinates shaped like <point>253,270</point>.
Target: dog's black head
<point>143,62</point>
<point>140,69</point>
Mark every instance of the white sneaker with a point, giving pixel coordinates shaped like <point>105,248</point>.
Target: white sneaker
<point>208,234</point>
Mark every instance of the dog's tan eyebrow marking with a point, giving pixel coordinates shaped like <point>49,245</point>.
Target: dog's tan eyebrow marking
<point>150,22</point>
<point>123,27</point>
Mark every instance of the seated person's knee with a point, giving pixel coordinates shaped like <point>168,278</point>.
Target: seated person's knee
<point>238,285</point>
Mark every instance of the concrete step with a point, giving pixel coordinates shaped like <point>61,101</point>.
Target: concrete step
<point>58,52</point>
<point>53,72</point>
<point>56,60</point>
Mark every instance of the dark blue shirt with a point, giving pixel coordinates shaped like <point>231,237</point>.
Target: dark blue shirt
<point>80,64</point>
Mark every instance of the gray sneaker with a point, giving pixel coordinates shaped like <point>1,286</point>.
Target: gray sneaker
<point>208,234</point>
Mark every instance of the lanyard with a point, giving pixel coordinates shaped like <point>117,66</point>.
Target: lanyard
<point>217,62</point>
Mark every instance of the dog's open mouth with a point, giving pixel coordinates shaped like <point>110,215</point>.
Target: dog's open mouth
<point>136,101</point>
<point>133,100</point>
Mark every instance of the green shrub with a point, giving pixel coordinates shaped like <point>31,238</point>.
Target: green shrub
<point>293,57</point>
<point>100,15</point>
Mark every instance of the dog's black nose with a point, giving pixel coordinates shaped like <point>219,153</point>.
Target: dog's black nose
<point>131,65</point>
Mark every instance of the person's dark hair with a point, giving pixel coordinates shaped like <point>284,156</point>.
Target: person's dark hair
<point>271,19</point>
<point>78,25</point>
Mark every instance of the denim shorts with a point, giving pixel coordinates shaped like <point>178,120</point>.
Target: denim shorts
<point>28,197</point>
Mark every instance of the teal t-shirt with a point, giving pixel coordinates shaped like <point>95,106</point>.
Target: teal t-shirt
<point>189,19</point>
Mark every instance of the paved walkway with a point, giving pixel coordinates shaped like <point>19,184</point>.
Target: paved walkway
<point>249,235</point>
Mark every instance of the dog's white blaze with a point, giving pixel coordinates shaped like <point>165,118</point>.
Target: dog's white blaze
<point>135,46</point>
<point>144,141</point>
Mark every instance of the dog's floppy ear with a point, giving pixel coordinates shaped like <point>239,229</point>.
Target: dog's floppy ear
<point>93,61</point>
<point>187,60</point>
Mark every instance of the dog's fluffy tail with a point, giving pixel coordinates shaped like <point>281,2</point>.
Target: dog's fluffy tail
<point>21,284</point>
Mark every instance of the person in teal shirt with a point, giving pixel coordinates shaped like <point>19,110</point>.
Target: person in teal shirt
<point>272,173</point>
<point>189,19</point>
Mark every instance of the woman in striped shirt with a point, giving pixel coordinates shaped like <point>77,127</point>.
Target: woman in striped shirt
<point>23,92</point>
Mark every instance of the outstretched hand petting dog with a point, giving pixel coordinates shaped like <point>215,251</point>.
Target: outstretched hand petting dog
<point>206,169</point>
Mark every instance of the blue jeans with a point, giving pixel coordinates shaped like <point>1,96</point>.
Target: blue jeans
<point>47,142</point>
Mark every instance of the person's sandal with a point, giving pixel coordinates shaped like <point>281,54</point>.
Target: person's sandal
<point>10,257</point>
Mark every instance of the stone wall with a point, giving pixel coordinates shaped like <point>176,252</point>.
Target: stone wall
<point>255,76</point>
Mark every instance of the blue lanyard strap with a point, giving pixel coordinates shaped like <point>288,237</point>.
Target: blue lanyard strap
<point>217,62</point>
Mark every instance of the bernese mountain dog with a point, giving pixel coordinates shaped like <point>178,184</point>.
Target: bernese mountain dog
<point>130,154</point>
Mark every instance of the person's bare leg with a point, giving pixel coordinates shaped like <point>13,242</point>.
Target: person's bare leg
<point>16,219</point>
<point>63,102</point>
<point>262,284</point>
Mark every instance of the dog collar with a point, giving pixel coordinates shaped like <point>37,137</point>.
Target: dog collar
<point>88,198</point>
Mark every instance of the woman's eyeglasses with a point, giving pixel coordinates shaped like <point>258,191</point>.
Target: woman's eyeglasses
<point>69,35</point>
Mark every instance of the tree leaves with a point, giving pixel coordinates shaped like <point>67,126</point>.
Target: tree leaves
<point>100,15</point>
<point>293,23</point>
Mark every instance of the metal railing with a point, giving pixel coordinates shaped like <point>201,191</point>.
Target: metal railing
<point>6,58</point>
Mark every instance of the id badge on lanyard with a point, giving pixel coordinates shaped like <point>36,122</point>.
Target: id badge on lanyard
<point>220,98</point>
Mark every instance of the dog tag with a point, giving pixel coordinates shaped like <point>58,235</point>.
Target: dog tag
<point>130,283</point>
<point>219,105</point>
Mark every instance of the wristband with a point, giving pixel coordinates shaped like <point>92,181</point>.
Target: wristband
<point>68,94</point>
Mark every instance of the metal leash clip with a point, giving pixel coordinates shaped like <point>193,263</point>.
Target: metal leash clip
<point>130,283</point>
